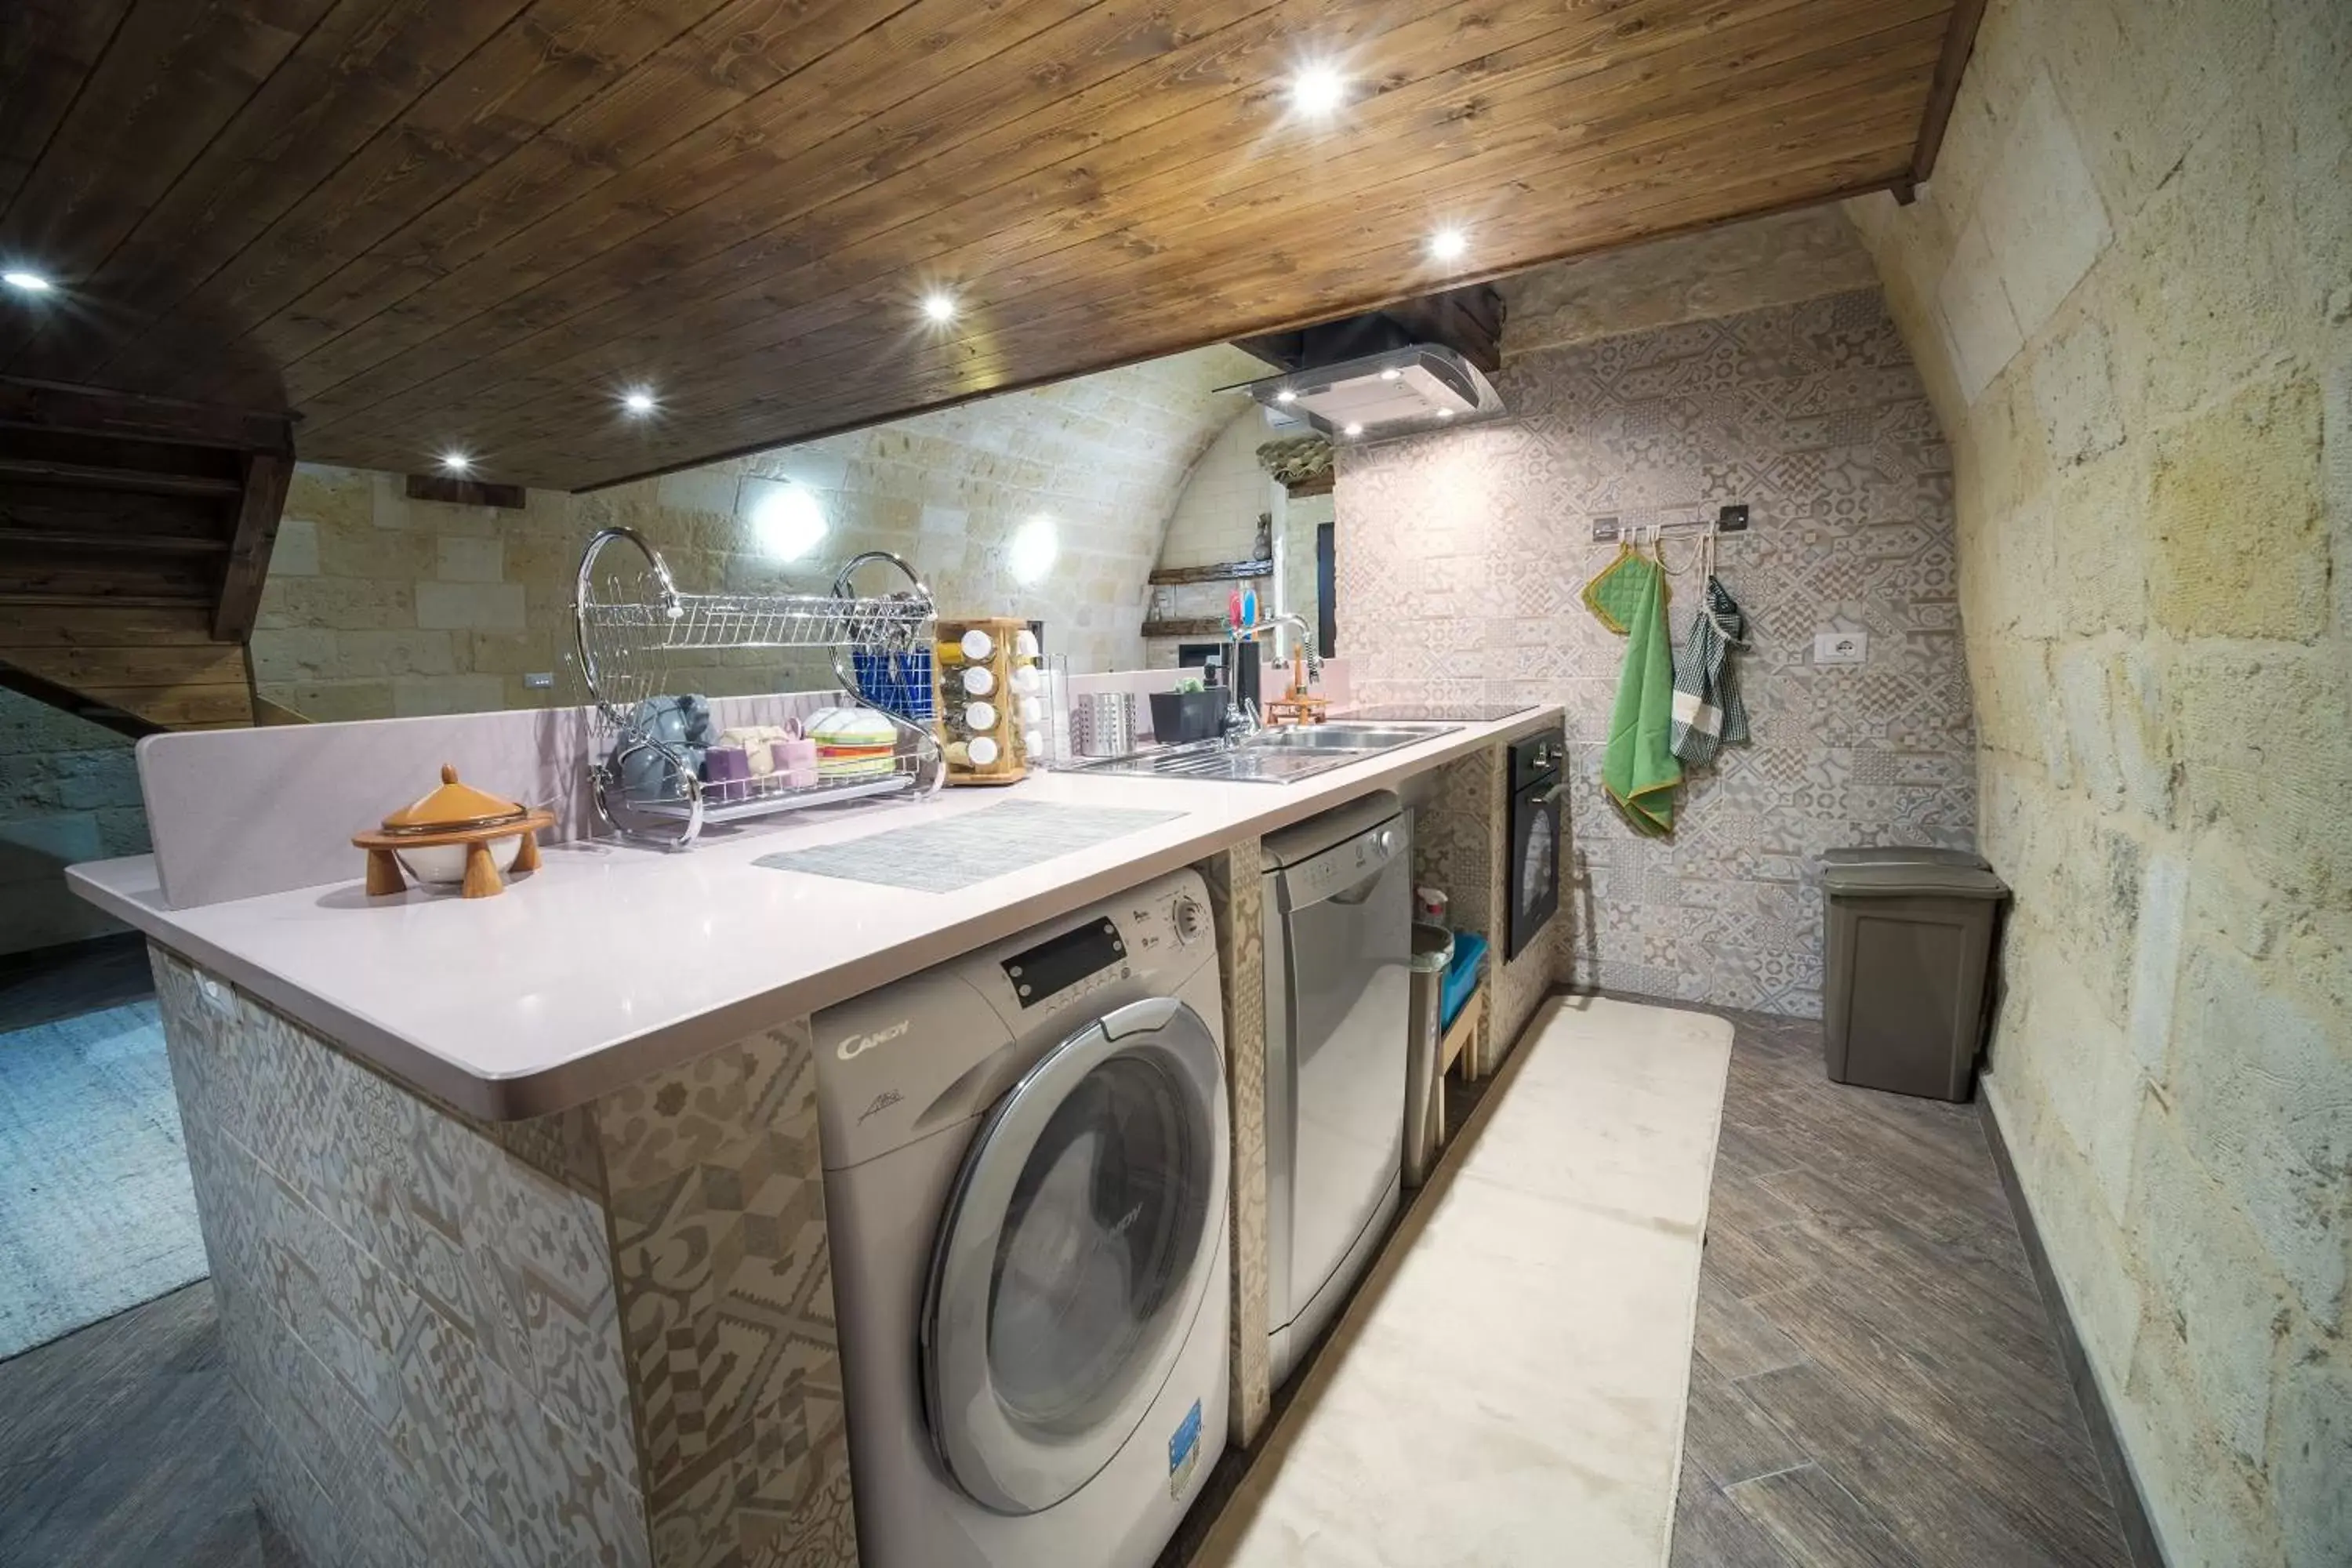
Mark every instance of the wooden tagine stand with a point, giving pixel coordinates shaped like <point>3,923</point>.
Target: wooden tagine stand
<point>472,818</point>
<point>1298,705</point>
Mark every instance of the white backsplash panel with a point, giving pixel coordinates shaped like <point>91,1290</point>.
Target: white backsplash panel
<point>1461,556</point>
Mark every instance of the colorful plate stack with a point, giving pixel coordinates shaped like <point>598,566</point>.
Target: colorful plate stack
<point>853,743</point>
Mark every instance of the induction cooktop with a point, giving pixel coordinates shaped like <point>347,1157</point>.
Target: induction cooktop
<point>1439,712</point>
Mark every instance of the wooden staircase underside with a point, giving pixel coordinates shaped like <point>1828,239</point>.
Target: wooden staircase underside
<point>135,538</point>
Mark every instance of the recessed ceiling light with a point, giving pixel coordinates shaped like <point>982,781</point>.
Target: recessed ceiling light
<point>638,401</point>
<point>1448,244</point>
<point>939,307</point>
<point>1317,90</point>
<point>1353,431</point>
<point>27,282</point>
<point>1285,395</point>
<point>455,462</point>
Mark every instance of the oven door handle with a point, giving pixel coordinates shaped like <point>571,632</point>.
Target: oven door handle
<point>1548,795</point>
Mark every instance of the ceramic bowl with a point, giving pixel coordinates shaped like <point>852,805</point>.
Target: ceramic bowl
<point>443,864</point>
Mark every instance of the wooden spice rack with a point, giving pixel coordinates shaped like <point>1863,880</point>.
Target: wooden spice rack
<point>950,700</point>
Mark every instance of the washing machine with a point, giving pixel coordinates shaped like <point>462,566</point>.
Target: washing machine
<point>1026,1157</point>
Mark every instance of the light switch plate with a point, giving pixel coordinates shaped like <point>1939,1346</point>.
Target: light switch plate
<point>1841,647</point>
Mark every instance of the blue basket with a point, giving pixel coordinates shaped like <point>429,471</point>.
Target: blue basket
<point>900,682</point>
<point>1461,977</point>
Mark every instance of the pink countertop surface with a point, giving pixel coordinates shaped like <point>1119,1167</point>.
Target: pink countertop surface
<point>615,961</point>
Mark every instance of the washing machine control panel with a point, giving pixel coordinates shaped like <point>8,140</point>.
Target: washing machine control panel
<point>893,1064</point>
<point>1138,937</point>
<point>1085,956</point>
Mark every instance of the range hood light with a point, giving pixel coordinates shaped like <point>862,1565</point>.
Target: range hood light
<point>1382,396</point>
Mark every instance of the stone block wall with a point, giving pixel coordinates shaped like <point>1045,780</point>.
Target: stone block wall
<point>2129,287</point>
<point>1049,503</point>
<point>1214,520</point>
<point>1461,559</point>
<point>69,792</point>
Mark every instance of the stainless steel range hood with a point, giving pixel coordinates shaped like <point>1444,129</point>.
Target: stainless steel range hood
<point>1402,392</point>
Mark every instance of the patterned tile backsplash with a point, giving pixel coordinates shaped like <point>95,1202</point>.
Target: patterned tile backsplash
<point>1811,414</point>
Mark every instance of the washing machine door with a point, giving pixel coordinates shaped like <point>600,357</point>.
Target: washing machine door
<point>1074,1254</point>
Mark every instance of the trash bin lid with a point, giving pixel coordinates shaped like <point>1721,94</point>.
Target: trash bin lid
<point>1432,948</point>
<point>1904,855</point>
<point>1910,879</point>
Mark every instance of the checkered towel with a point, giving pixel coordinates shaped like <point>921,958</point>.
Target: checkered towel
<point>1708,714</point>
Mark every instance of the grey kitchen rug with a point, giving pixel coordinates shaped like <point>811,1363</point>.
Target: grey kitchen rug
<point>946,857</point>
<point>97,1212</point>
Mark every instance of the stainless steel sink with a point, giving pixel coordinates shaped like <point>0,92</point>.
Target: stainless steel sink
<point>1338,737</point>
<point>1270,757</point>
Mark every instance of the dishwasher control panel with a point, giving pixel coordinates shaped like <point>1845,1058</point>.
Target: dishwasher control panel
<point>1345,863</point>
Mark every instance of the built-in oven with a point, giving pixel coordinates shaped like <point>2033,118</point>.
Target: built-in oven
<point>1535,766</point>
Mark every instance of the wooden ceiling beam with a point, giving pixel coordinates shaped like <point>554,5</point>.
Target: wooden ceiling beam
<point>238,599</point>
<point>99,411</point>
<point>91,475</point>
<point>1612,124</point>
<point>477,219</point>
<point>1960,43</point>
<point>1836,180</point>
<point>831,209</point>
<point>1081,280</point>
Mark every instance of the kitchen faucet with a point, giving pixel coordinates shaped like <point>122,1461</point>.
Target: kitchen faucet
<point>1240,721</point>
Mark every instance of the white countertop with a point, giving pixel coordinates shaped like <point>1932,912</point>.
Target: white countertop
<point>615,961</point>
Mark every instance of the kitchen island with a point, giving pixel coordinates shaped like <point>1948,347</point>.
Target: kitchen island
<point>515,1205</point>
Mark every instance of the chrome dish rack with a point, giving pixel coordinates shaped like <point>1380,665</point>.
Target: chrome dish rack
<point>629,618</point>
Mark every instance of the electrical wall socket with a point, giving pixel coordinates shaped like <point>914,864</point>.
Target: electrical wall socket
<point>1841,647</point>
<point>539,681</point>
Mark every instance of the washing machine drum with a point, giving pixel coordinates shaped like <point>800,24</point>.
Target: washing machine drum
<point>1076,1247</point>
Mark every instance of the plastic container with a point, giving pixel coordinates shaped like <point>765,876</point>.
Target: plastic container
<point>1181,716</point>
<point>1462,974</point>
<point>1425,1099</point>
<point>1906,963</point>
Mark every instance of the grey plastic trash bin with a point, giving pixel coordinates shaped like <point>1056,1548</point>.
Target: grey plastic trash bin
<point>1908,952</point>
<point>1424,1106</point>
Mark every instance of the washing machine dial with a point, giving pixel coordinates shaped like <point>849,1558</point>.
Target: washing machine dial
<point>1191,920</point>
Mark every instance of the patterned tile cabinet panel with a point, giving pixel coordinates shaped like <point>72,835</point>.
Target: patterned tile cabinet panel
<point>726,1295</point>
<point>1462,844</point>
<point>603,1338</point>
<point>422,1324</point>
<point>1239,908</point>
<point>1461,557</point>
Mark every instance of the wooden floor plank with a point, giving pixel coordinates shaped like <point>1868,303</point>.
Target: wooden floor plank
<point>1953,1512</point>
<point>1727,1436</point>
<point>1713,1531</point>
<point>1735,1338</point>
<point>1817,1522</point>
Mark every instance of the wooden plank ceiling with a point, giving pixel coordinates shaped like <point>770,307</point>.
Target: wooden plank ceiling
<point>426,225</point>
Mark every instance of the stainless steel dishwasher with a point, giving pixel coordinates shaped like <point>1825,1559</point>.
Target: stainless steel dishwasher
<point>1338,948</point>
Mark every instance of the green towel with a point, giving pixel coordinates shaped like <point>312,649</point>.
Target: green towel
<point>1639,769</point>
